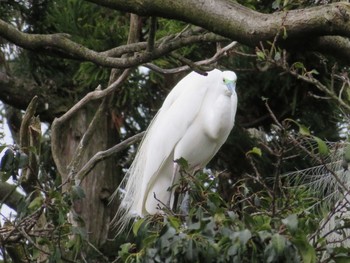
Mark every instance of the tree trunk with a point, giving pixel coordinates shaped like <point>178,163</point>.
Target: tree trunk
<point>101,181</point>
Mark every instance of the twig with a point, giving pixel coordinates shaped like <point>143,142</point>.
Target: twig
<point>94,95</point>
<point>320,86</point>
<point>205,62</point>
<point>58,122</point>
<point>102,155</point>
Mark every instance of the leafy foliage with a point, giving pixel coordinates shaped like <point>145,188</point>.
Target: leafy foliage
<point>213,232</point>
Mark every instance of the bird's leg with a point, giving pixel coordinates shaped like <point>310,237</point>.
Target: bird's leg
<point>175,170</point>
<point>185,204</point>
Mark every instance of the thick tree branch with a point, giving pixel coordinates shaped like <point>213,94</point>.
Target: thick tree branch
<point>232,20</point>
<point>223,17</point>
<point>30,134</point>
<point>62,43</point>
<point>9,195</point>
<point>12,92</point>
<point>235,21</point>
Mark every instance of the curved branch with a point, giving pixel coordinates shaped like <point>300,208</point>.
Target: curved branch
<point>50,105</point>
<point>58,122</point>
<point>334,45</point>
<point>62,44</point>
<point>328,26</point>
<point>223,17</point>
<point>102,155</point>
<point>235,21</point>
<point>209,61</point>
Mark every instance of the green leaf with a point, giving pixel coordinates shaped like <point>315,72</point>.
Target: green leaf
<point>150,240</point>
<point>7,160</point>
<point>182,162</point>
<point>175,222</point>
<point>278,243</point>
<point>255,150</point>
<point>36,203</point>
<point>303,130</point>
<point>244,236</point>
<point>341,259</point>
<point>264,235</point>
<point>125,249</point>
<point>137,225</point>
<point>262,222</point>
<point>314,71</point>
<point>277,56</point>
<point>298,65</point>
<point>306,251</point>
<point>276,4</point>
<point>22,160</point>
<point>261,55</point>
<point>322,146</point>
<point>56,256</point>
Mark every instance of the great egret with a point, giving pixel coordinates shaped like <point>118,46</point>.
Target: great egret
<point>193,123</point>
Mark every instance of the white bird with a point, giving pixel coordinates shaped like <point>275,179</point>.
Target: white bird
<point>193,123</point>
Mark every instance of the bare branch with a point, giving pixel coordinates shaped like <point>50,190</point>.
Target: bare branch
<point>249,27</point>
<point>102,155</point>
<point>61,43</point>
<point>30,134</point>
<point>207,62</point>
<point>309,79</point>
<point>57,123</point>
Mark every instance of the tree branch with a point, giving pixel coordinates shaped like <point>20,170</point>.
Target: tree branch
<point>9,195</point>
<point>12,92</point>
<point>61,43</point>
<point>58,122</point>
<point>102,155</point>
<point>232,20</point>
<point>220,53</point>
<point>225,18</point>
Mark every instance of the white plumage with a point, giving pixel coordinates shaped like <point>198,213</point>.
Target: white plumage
<point>193,123</point>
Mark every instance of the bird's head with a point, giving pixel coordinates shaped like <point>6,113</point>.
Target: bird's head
<point>229,79</point>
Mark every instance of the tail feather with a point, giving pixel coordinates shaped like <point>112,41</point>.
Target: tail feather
<point>133,188</point>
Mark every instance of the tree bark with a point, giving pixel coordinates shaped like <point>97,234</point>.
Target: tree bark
<point>223,17</point>
<point>230,19</point>
<point>101,181</point>
<point>18,92</point>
